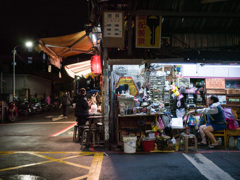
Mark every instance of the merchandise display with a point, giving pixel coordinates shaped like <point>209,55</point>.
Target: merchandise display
<point>152,103</point>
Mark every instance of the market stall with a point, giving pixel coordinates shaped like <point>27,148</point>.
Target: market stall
<point>148,97</point>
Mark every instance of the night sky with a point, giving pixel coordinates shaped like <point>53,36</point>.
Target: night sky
<point>22,20</point>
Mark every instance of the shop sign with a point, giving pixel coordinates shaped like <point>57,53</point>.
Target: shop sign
<point>113,34</point>
<point>148,31</point>
<point>215,83</point>
<point>129,81</point>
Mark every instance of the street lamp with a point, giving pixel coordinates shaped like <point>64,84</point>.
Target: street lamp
<point>28,44</point>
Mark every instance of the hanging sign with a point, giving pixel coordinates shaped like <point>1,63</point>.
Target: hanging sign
<point>148,31</point>
<point>113,33</point>
<point>215,83</point>
<point>129,81</point>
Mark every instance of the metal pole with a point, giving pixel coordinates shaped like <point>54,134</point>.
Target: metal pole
<point>14,54</point>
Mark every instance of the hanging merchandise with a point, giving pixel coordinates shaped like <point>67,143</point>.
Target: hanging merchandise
<point>191,121</point>
<point>175,90</point>
<point>96,66</point>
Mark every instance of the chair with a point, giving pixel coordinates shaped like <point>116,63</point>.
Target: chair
<point>221,133</point>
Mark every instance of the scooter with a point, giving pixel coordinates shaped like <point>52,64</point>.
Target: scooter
<point>12,112</point>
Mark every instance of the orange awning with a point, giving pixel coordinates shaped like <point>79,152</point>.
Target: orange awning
<point>64,46</point>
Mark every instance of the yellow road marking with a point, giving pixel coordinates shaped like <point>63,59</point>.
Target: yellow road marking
<point>65,162</point>
<point>39,152</point>
<point>81,177</point>
<point>94,170</point>
<point>52,160</point>
<point>96,166</point>
<point>6,153</point>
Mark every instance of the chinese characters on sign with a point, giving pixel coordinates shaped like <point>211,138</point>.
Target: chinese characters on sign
<point>113,24</point>
<point>215,83</point>
<point>148,31</point>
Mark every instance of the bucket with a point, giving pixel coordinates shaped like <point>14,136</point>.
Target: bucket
<point>129,144</point>
<point>238,143</point>
<point>148,145</point>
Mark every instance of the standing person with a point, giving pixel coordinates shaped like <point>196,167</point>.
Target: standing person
<point>216,120</point>
<point>82,107</point>
<point>48,100</point>
<point>65,102</point>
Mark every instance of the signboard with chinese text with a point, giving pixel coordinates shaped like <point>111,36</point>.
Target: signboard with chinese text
<point>148,31</point>
<point>113,34</point>
<point>215,83</point>
<point>128,80</point>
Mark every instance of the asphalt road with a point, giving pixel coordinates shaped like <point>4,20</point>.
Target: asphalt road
<point>39,148</point>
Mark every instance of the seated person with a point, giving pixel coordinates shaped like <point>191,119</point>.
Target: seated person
<point>216,120</point>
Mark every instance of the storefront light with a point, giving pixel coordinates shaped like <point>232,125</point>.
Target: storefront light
<point>227,66</point>
<point>94,39</point>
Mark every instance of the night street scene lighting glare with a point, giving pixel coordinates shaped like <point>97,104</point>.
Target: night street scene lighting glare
<point>27,44</point>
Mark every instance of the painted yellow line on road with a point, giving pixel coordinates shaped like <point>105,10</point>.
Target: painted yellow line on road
<point>96,166</point>
<point>51,160</point>
<point>65,162</point>
<point>94,170</point>
<point>6,153</point>
<point>81,177</point>
<point>44,152</point>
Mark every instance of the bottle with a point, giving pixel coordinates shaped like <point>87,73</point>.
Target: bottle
<point>238,143</point>
<point>173,141</point>
<point>94,108</point>
<point>231,141</point>
<point>177,145</point>
<point>220,141</point>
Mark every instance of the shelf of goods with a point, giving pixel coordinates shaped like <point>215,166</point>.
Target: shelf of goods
<point>133,124</point>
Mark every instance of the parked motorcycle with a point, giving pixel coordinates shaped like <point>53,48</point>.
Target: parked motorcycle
<point>12,112</point>
<point>36,108</point>
<point>23,109</point>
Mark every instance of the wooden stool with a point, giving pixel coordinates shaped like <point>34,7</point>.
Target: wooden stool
<point>186,139</point>
<point>76,133</point>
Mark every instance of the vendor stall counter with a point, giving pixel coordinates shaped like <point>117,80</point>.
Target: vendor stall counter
<point>134,124</point>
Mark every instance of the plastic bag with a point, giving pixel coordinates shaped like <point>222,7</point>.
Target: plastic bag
<point>232,124</point>
<point>180,112</point>
<point>158,125</point>
<point>166,118</point>
<point>228,113</point>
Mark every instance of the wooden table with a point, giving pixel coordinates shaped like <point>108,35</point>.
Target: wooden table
<point>93,121</point>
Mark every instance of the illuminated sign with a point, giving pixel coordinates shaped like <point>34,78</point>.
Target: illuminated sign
<point>148,31</point>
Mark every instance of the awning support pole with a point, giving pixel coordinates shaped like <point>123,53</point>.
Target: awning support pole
<point>106,105</point>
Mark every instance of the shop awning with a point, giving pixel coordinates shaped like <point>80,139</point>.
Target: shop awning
<point>64,46</point>
<point>78,69</point>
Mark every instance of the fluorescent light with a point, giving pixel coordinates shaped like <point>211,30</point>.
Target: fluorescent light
<point>94,39</point>
<point>222,66</point>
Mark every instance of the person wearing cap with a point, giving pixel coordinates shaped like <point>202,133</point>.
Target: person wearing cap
<point>216,120</point>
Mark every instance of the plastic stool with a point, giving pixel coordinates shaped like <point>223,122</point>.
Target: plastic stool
<point>186,138</point>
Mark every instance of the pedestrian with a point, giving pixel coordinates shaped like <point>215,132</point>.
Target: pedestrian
<point>82,107</point>
<point>65,102</point>
<point>216,120</point>
<point>48,100</point>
